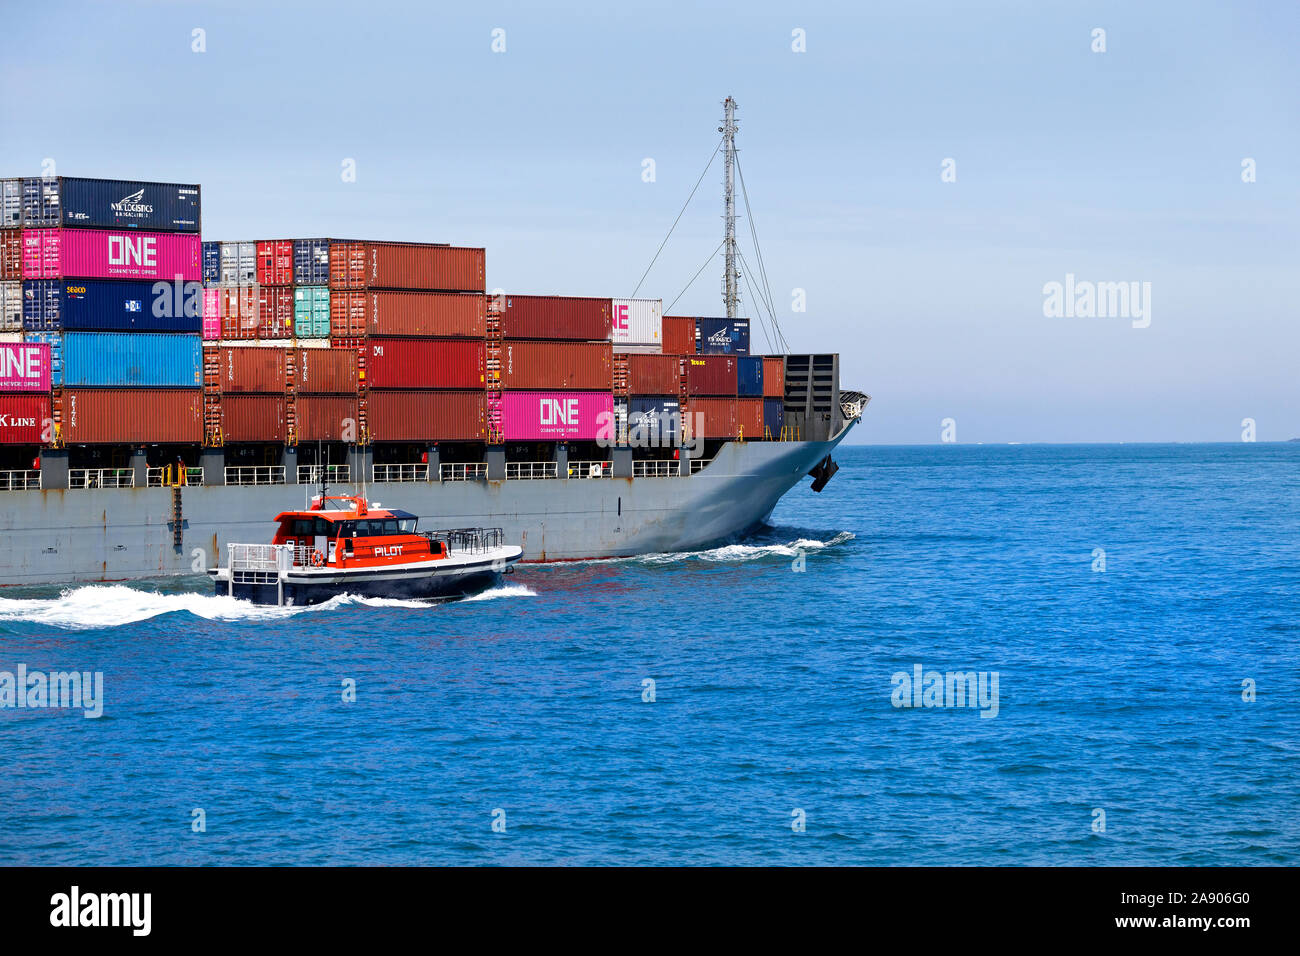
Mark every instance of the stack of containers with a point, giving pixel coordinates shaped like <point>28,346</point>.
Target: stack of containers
<point>325,404</point>
<point>111,274</point>
<point>311,292</point>
<point>11,260</point>
<point>557,367</point>
<point>415,315</point>
<point>253,386</point>
<point>773,396</point>
<point>230,295</point>
<point>24,393</point>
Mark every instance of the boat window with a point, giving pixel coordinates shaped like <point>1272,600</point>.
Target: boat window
<point>407,525</point>
<point>347,529</point>
<point>390,526</point>
<point>302,527</point>
<point>323,527</point>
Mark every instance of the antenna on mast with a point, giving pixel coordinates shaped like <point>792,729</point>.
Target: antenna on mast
<point>730,278</point>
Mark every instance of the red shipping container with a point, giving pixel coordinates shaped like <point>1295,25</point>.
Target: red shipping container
<point>426,363</point>
<point>712,418</point>
<point>239,310</point>
<point>679,335</point>
<point>749,418</point>
<point>773,376</point>
<point>252,369</point>
<point>325,371</point>
<point>326,417</point>
<point>711,375</point>
<point>132,415</point>
<point>253,417</point>
<point>406,265</point>
<point>275,313</point>
<point>434,314</point>
<point>545,366</point>
<point>653,374</point>
<point>427,416</point>
<point>25,419</point>
<point>347,314</point>
<point>11,255</point>
<point>555,317</point>
<point>275,262</point>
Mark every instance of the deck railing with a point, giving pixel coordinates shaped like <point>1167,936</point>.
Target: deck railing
<point>591,469</point>
<point>467,471</point>
<point>655,469</point>
<point>255,475</point>
<point>414,471</point>
<point>698,465</point>
<point>168,475</point>
<point>527,470</point>
<point>101,477</point>
<point>334,474</point>
<point>24,479</point>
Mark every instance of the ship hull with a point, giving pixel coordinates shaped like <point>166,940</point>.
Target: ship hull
<point>111,534</point>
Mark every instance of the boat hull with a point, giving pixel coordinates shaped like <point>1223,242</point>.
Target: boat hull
<point>410,587</point>
<point>109,534</point>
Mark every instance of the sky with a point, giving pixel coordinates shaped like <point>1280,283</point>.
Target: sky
<point>919,173</point>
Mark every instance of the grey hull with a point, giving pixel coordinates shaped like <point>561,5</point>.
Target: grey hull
<point>69,536</point>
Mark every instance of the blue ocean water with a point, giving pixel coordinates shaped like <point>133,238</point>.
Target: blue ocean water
<point>1119,690</point>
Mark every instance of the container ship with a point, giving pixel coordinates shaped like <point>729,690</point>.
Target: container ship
<point>160,395</point>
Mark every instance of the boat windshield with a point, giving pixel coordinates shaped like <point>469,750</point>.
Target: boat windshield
<point>376,527</point>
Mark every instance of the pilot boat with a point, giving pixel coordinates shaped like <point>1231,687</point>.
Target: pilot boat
<point>345,545</point>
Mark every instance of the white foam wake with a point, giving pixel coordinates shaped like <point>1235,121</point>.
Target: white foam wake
<point>115,605</point>
<point>507,590</point>
<point>749,552</point>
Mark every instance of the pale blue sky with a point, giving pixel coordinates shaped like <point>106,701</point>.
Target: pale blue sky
<point>1123,165</point>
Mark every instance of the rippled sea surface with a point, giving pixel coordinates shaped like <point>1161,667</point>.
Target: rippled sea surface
<point>1120,691</point>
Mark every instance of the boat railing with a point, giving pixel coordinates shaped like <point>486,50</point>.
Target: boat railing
<point>334,474</point>
<point>655,468</point>
<point>101,477</point>
<point>255,474</point>
<point>24,479</point>
<point>469,540</point>
<point>413,471</point>
<point>699,464</point>
<point>169,475</point>
<point>590,469</point>
<point>464,471</point>
<point>527,470</point>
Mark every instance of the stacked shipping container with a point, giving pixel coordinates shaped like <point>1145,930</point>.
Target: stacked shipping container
<point>24,393</point>
<point>105,275</point>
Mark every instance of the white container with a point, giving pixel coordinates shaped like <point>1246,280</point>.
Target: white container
<point>637,322</point>
<point>11,203</point>
<point>11,306</point>
<point>11,336</point>
<point>238,263</point>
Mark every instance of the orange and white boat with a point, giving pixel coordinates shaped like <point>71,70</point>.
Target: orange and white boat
<point>344,545</point>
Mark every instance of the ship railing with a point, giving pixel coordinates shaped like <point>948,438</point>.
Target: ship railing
<point>464,471</point>
<point>101,477</point>
<point>699,464</point>
<point>655,469</point>
<point>591,469</point>
<point>169,475</point>
<point>24,479</point>
<point>414,471</point>
<point>255,474</point>
<point>468,540</point>
<point>334,474</point>
<point>527,470</point>
<point>264,563</point>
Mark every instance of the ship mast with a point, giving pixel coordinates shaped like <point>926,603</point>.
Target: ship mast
<point>730,278</point>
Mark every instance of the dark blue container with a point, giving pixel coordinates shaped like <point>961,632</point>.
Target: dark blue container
<point>773,417</point>
<point>722,336</point>
<point>311,262</point>
<point>42,305</point>
<point>211,262</point>
<point>659,418</point>
<point>108,306</point>
<point>111,204</point>
<point>749,376</point>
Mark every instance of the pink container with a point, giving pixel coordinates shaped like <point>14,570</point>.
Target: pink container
<point>211,313</point>
<point>24,367</point>
<point>111,254</point>
<point>557,416</point>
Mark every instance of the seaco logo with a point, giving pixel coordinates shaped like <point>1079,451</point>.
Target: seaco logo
<point>557,411</point>
<point>132,207</point>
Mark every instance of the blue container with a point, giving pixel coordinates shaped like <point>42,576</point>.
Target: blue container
<point>659,418</point>
<point>722,336</point>
<point>773,417</point>
<point>124,360</point>
<point>112,306</point>
<point>55,341</point>
<point>311,262</point>
<point>42,305</point>
<point>211,263</point>
<point>111,204</point>
<point>749,376</point>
